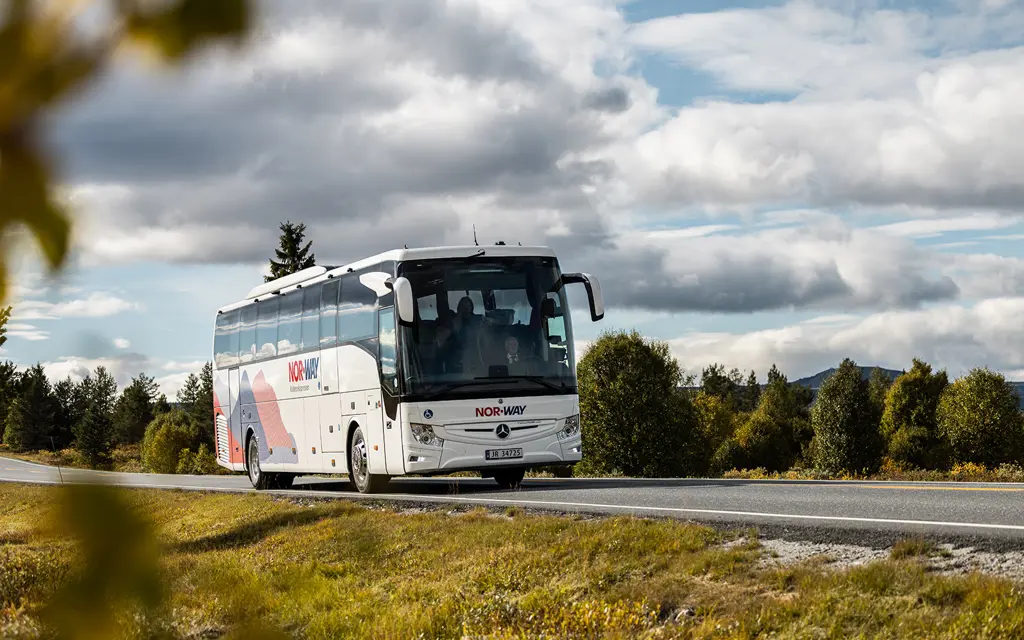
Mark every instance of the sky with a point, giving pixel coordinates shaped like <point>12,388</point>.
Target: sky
<point>755,183</point>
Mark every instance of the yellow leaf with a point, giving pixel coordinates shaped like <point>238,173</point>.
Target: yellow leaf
<point>178,30</point>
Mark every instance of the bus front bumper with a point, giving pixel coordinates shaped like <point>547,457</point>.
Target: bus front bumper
<point>462,456</point>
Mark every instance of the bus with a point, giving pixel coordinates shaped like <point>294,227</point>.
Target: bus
<point>423,361</point>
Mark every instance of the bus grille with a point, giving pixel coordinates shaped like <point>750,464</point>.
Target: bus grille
<point>223,455</point>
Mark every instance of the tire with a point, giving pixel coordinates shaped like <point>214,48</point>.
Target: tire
<point>260,480</point>
<point>509,479</point>
<point>359,473</point>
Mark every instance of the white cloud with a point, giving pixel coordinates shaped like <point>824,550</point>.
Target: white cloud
<point>26,332</point>
<point>122,343</point>
<point>95,305</point>
<point>122,367</point>
<point>935,227</point>
<point>950,336</point>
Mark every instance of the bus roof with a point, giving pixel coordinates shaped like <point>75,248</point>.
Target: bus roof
<point>319,273</point>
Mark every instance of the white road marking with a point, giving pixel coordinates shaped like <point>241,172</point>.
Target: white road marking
<point>560,504</point>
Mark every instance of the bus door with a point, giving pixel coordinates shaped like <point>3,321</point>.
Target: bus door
<point>387,357</point>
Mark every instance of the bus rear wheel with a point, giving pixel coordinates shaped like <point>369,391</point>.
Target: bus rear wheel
<point>359,469</point>
<point>509,479</point>
<point>262,480</point>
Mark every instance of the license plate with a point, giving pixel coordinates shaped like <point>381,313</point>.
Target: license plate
<point>502,454</point>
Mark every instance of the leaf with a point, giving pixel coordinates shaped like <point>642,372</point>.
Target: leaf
<point>179,29</point>
<point>25,197</point>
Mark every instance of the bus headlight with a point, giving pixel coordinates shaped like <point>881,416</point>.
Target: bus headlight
<point>424,434</point>
<point>571,428</point>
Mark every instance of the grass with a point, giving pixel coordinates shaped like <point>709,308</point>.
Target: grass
<point>961,472</point>
<point>327,569</point>
<point>124,458</point>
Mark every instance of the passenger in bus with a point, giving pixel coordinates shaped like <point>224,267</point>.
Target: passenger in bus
<point>447,350</point>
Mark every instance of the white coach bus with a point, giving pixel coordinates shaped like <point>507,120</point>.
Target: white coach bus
<point>415,361</point>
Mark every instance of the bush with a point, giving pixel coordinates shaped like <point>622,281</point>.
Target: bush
<point>980,421</point>
<point>633,419</point>
<point>908,421</point>
<point>201,462</point>
<point>167,436</point>
<point>845,423</point>
<point>765,442</point>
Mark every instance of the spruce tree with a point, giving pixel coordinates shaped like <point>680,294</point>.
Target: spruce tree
<point>69,412</point>
<point>5,315</point>
<point>188,394</point>
<point>134,409</point>
<point>291,255</point>
<point>93,435</point>
<point>202,411</point>
<point>752,393</point>
<point>9,385</point>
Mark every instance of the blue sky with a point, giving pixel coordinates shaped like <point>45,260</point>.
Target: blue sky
<point>757,183</point>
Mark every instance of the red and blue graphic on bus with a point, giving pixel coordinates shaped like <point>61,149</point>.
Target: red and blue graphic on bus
<point>276,444</point>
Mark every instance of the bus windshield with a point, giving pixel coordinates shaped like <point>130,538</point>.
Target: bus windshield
<point>500,324</point>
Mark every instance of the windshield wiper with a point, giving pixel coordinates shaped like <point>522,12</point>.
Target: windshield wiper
<point>538,379</point>
<point>458,385</point>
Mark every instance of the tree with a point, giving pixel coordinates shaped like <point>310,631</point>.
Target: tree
<point>772,436</point>
<point>167,437</point>
<point>715,424</point>
<point>71,405</point>
<point>48,59</point>
<point>774,374</point>
<point>188,394</point>
<point>9,385</point>
<point>202,411</point>
<point>633,420</point>
<point>291,255</point>
<point>28,428</point>
<point>752,392</point>
<point>94,433</point>
<point>134,410</point>
<point>845,423</point>
<point>5,316</point>
<point>716,382</point>
<point>878,387</point>
<point>979,419</point>
<point>908,421</point>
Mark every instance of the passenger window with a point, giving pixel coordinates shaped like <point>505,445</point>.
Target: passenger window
<point>427,306</point>
<point>289,325</point>
<point>387,349</point>
<point>556,325</point>
<point>356,316</point>
<point>311,317</point>
<point>266,328</point>
<point>329,314</point>
<point>247,335</point>
<point>226,339</point>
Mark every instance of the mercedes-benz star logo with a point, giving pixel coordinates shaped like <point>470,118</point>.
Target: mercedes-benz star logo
<point>502,431</point>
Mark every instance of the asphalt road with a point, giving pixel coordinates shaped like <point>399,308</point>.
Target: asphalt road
<point>985,515</point>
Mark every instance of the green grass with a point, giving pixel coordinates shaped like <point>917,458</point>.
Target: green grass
<point>337,569</point>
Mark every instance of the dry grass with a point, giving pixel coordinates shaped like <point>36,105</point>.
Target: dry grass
<point>337,569</point>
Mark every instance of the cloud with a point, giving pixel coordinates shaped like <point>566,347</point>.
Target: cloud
<point>824,265</point>
<point>122,343</point>
<point>95,305</point>
<point>949,336</point>
<point>376,125</point>
<point>937,226</point>
<point>26,332</point>
<point>872,115</point>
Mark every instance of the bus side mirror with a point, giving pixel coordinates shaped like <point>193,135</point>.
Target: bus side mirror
<point>593,287</point>
<point>404,302</point>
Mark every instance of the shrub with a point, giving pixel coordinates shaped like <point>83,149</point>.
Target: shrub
<point>765,442</point>
<point>908,420</point>
<point>201,462</point>
<point>979,419</point>
<point>166,437</point>
<point>633,419</point>
<point>845,423</point>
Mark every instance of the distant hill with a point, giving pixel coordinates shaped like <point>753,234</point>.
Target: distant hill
<point>815,381</point>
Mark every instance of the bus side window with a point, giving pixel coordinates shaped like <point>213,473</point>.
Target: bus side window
<point>556,325</point>
<point>266,328</point>
<point>356,315</point>
<point>289,327</point>
<point>311,317</point>
<point>386,349</point>
<point>247,335</point>
<point>329,314</point>
<point>226,340</point>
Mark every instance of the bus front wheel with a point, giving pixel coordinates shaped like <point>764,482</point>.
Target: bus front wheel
<point>509,479</point>
<point>359,469</point>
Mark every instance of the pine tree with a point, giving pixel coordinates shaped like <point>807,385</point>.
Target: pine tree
<point>752,393</point>
<point>30,430</point>
<point>9,385</point>
<point>70,409</point>
<point>93,434</point>
<point>202,411</point>
<point>291,255</point>
<point>774,374</point>
<point>161,405</point>
<point>188,394</point>
<point>5,315</point>
<point>134,409</point>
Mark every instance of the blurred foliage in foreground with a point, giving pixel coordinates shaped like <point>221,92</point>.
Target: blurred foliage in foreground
<point>248,566</point>
<point>45,60</point>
